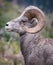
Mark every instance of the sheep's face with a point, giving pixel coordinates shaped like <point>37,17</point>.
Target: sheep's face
<point>15,25</point>
<point>27,21</point>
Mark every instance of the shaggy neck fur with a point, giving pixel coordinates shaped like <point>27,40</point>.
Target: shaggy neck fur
<point>36,50</point>
<point>27,42</point>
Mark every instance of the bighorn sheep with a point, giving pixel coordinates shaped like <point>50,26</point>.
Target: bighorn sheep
<point>36,50</point>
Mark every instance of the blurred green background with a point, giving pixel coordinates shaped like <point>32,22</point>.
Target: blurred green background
<point>9,41</point>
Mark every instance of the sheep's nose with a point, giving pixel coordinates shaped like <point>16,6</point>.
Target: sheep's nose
<point>7,24</point>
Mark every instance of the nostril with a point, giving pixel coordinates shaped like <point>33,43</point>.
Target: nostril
<point>6,24</point>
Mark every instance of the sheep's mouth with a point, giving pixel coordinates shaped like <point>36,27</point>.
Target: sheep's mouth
<point>9,30</point>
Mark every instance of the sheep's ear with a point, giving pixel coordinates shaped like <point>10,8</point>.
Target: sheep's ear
<point>34,22</point>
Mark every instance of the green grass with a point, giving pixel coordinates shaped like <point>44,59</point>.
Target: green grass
<point>16,50</point>
<point>48,33</point>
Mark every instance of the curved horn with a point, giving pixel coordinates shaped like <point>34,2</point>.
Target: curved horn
<point>34,12</point>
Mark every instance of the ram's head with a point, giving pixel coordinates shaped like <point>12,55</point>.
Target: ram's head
<point>32,20</point>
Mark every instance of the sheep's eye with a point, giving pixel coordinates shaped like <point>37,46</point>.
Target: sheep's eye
<point>23,21</point>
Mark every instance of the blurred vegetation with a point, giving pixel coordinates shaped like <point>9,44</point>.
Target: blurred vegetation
<point>8,12</point>
<point>48,33</point>
<point>48,30</point>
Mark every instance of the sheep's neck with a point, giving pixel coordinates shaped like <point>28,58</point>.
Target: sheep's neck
<point>27,43</point>
<point>27,40</point>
